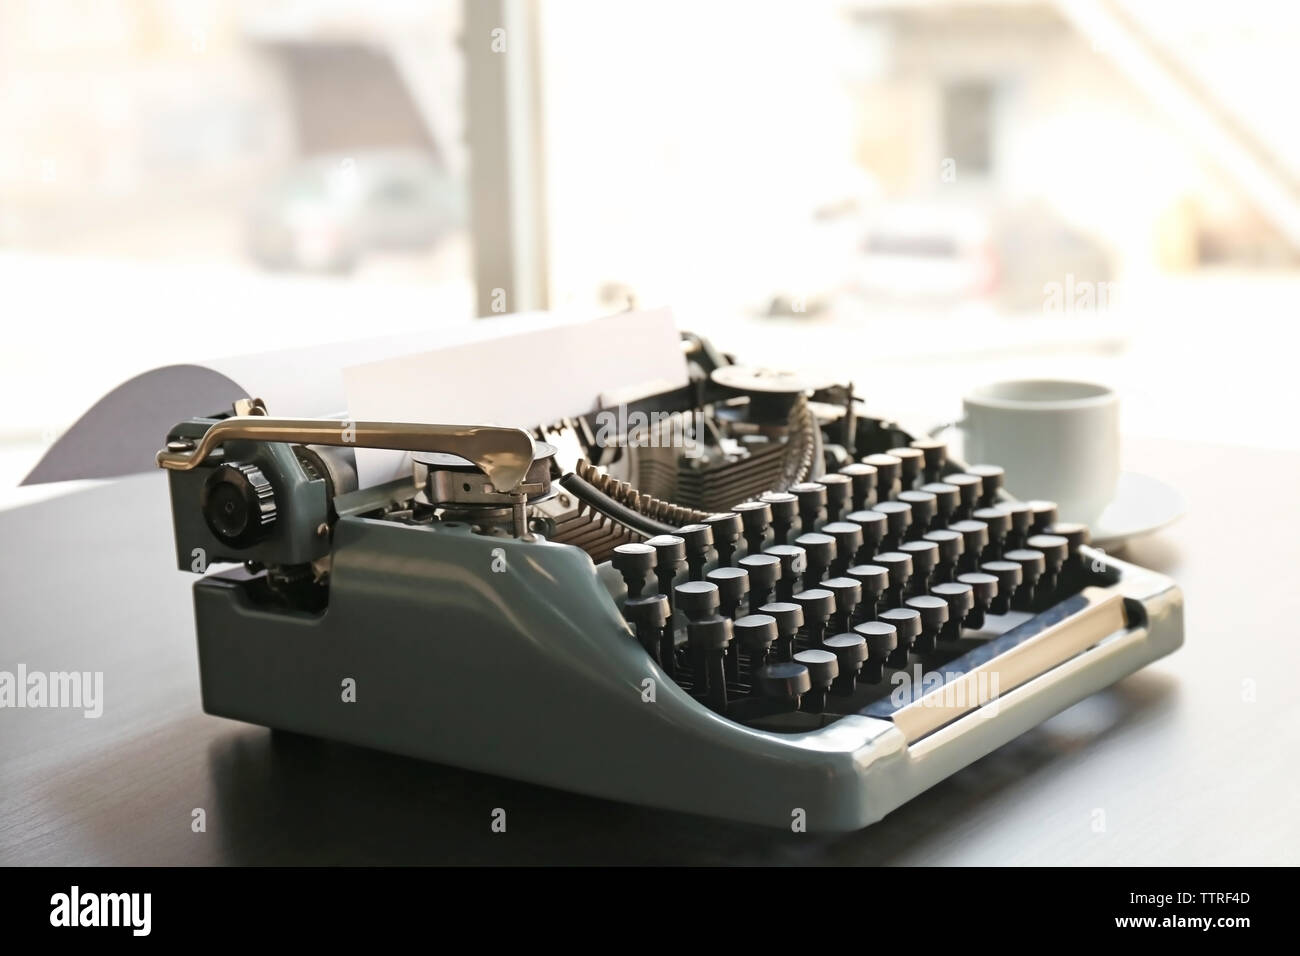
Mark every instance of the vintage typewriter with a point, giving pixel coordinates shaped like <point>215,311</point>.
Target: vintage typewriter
<point>746,597</point>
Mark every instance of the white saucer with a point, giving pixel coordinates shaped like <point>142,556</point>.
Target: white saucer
<point>1142,504</point>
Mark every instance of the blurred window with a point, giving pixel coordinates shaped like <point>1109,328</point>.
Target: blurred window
<point>968,125</point>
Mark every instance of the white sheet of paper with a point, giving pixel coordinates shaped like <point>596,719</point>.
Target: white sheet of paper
<point>521,370</point>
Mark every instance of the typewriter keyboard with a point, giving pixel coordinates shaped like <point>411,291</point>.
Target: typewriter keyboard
<point>805,605</point>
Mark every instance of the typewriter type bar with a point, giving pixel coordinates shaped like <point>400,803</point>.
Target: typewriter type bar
<point>865,619</point>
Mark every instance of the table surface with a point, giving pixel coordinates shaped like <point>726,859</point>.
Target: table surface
<point>1191,760</point>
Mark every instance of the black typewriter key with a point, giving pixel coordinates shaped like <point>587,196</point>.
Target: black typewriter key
<point>993,477</point>
<point>898,519</point>
<point>925,558</point>
<point>820,551</point>
<point>848,543</point>
<point>783,684</point>
<point>755,633</point>
<point>697,600</point>
<point>934,457</point>
<point>851,652</point>
<point>670,555</point>
<point>907,623</point>
<point>726,532</point>
<point>1032,565</point>
<point>634,562</point>
<point>1075,534</point>
<point>733,585</point>
<point>812,504</point>
<point>709,639</point>
<point>873,579</point>
<point>882,639</point>
<point>934,615</point>
<point>755,519</point>
<point>763,570</point>
<point>888,469</point>
<point>984,588</point>
<point>951,548</point>
<point>862,478</point>
<point>961,601</point>
<point>699,540</point>
<point>794,562</point>
<point>1075,572</point>
<point>899,566</point>
<point>998,521</point>
<point>848,595</point>
<point>789,618</point>
<point>946,500</point>
<point>924,508</point>
<point>974,541</point>
<point>839,489</point>
<point>817,605</point>
<point>873,526</point>
<point>823,667</point>
<point>649,617</point>
<point>1009,576</point>
<point>1044,516</point>
<point>970,489</point>
<point>784,507</point>
<point>1056,550</point>
<point>909,468</point>
<point>1021,518</point>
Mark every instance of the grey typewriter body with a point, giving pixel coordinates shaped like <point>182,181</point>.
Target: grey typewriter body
<point>505,612</point>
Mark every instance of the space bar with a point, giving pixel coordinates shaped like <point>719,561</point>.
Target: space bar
<point>1103,615</point>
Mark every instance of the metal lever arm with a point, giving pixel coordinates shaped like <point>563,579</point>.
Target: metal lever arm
<point>503,454</point>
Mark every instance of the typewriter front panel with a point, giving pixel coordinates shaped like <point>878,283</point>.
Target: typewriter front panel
<point>456,662</point>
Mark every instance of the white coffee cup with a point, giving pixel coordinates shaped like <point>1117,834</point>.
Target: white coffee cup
<point>1057,440</point>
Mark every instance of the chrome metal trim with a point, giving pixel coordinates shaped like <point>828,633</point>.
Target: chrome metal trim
<point>503,454</point>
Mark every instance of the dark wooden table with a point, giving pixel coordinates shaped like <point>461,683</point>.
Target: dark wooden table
<point>1190,761</point>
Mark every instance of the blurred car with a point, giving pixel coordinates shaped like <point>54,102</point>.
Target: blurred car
<point>929,252</point>
<point>328,212</point>
<point>951,252</point>
<point>932,253</point>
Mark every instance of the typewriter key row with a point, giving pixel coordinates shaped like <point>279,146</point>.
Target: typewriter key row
<point>863,584</point>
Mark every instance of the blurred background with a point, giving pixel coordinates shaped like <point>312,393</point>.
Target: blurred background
<point>917,195</point>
